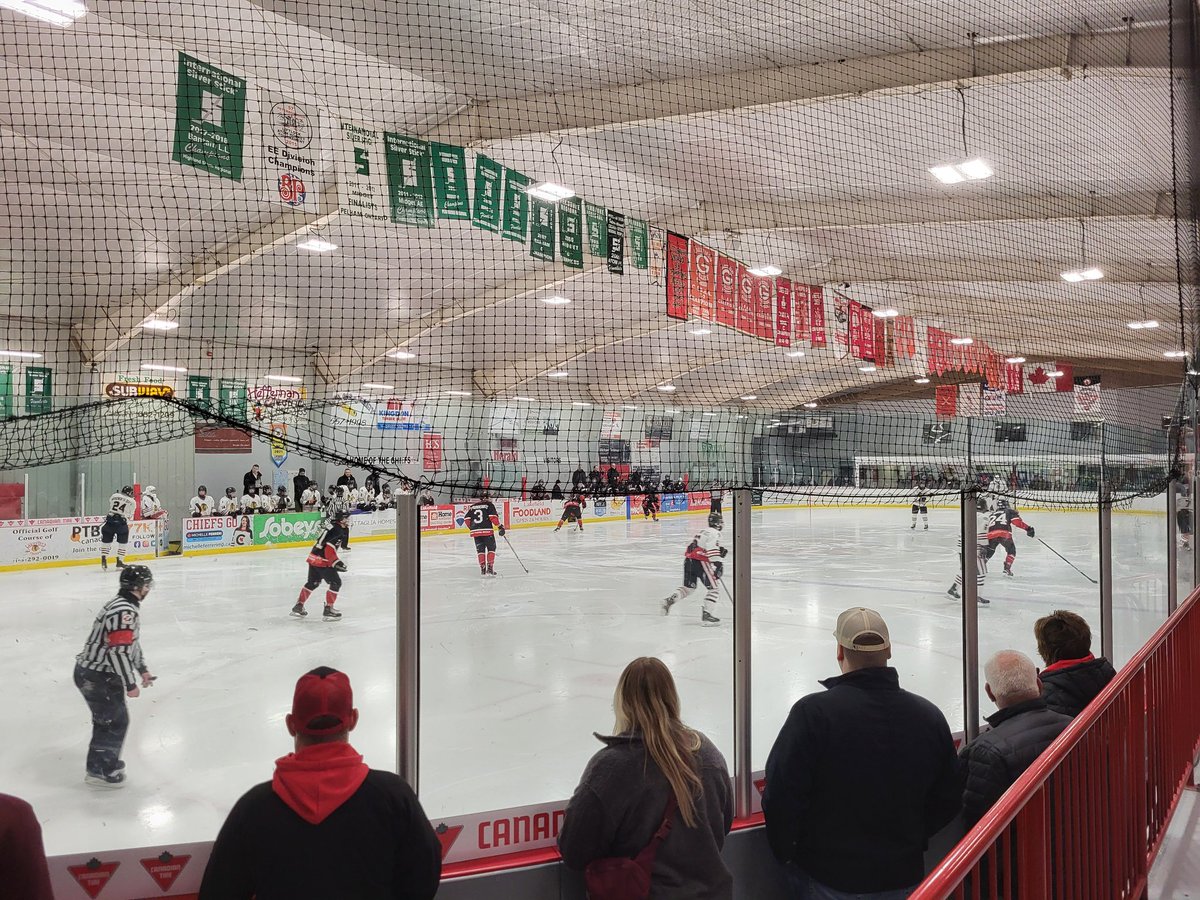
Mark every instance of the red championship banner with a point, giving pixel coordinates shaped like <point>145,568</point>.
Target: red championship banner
<point>854,328</point>
<point>783,312</point>
<point>702,271</point>
<point>432,449</point>
<point>745,300</point>
<point>677,276</point>
<point>800,303</point>
<point>1014,378</point>
<point>866,333</point>
<point>764,307</point>
<point>905,331</point>
<point>816,315</point>
<point>946,401</point>
<point>939,350</point>
<point>885,345</point>
<point>726,290</point>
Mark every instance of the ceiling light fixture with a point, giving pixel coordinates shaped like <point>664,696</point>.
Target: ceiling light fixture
<point>579,403</point>
<point>1057,373</point>
<point>160,325</point>
<point>556,300</point>
<point>289,379</point>
<point>374,386</point>
<point>20,354</point>
<point>866,368</point>
<point>920,381</point>
<point>750,397</point>
<point>795,354</point>
<point>811,404</point>
<point>885,313</point>
<point>316,245</point>
<point>628,407</point>
<point>56,12</point>
<point>1175,354</point>
<point>1138,326</point>
<point>402,354</point>
<point>459,393</point>
<point>741,417</point>
<point>159,367</point>
<point>962,341</point>
<point>708,414</point>
<point>666,388</point>
<point>550,191</point>
<point>558,374</point>
<point>767,271</point>
<point>1015,359</point>
<point>969,170</point>
<point>1076,275</point>
<point>525,399</point>
<point>700,332</point>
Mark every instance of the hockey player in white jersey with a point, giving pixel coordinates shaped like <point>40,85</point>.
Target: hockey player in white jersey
<point>283,503</point>
<point>152,507</point>
<point>202,504</point>
<point>229,505</point>
<point>250,504</point>
<point>266,501</point>
<point>981,557</point>
<point>701,564</point>
<point>311,498</point>
<point>121,507</point>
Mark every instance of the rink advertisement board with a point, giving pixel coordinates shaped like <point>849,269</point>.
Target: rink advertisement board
<point>213,532</point>
<point>209,533</point>
<point>33,543</point>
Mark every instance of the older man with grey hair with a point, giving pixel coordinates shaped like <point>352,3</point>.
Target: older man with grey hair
<point>1020,731</point>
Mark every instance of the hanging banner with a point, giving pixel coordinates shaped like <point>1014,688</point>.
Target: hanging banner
<point>853,327</point>
<point>946,401</point>
<point>1014,378</point>
<point>596,223</point>
<point>816,315</point>
<point>1039,377</point>
<point>866,334</point>
<point>279,450</point>
<point>570,232</point>
<point>969,400</point>
<point>291,151</point>
<point>362,173</point>
<point>800,308</point>
<point>677,276</point>
<point>489,193</point>
<point>210,118</point>
<point>638,243</point>
<point>885,342</point>
<point>1087,394</point>
<point>702,265</point>
<point>541,229</point>
<point>410,181</point>
<point>615,236</point>
<point>39,390</point>
<point>231,399</point>
<point>904,334</point>
<point>199,390</point>
<point>725,288</point>
<point>656,249</point>
<point>611,426</point>
<point>995,402</point>
<point>783,312</point>
<point>6,391</point>
<point>764,307</point>
<point>431,451</point>
<point>450,181</point>
<point>841,326</point>
<point>744,312</point>
<point>938,343</point>
<point>515,226</point>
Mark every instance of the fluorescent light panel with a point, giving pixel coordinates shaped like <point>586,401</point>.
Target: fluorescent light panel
<point>159,367</point>
<point>289,379</point>
<point>1077,275</point>
<point>810,405</point>
<point>579,403</point>
<point>550,191</point>
<point>56,12</point>
<point>969,170</point>
<point>371,385</point>
<point>556,300</point>
<point>317,245</point>
<point>402,354</point>
<point>796,354</point>
<point>666,388</point>
<point>1138,326</point>
<point>1015,359</point>
<point>750,397</point>
<point>921,381</point>
<point>459,393</point>
<point>160,325</point>
<point>867,369</point>
<point>557,374</point>
<point>700,332</point>
<point>1175,354</point>
<point>962,341</point>
<point>767,271</point>
<point>20,354</point>
<point>885,313</point>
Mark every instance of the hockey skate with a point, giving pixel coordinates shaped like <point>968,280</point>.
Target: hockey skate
<point>330,614</point>
<point>104,563</point>
<point>953,591</point>
<point>489,571</point>
<point>120,563</point>
<point>914,525</point>
<point>1008,571</point>
<point>983,601</point>
<point>667,604</point>
<point>299,611</point>
<point>114,779</point>
<point>707,618</point>
<point>926,526</point>
<point>483,570</point>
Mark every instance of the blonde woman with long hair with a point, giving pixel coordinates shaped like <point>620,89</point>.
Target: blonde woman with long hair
<point>624,792</point>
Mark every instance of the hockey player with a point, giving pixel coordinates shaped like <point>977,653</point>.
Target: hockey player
<point>283,503</point>
<point>230,505</point>
<point>266,501</point>
<point>250,502</point>
<point>311,498</point>
<point>202,504</point>
<point>116,524</point>
<point>981,560</point>
<point>386,500</point>
<point>700,565</point>
<point>326,563</point>
<point>1000,525</point>
<point>481,517</point>
<point>108,670</point>
<point>152,507</point>
<point>650,505</point>
<point>573,508</point>
<point>714,501</point>
<point>338,503</point>
<point>920,507</point>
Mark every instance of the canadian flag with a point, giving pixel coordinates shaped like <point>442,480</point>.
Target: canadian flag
<point>1048,377</point>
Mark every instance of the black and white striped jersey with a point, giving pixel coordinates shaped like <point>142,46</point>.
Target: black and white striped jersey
<point>113,644</point>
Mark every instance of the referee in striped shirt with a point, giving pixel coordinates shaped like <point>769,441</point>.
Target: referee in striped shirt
<point>109,668</point>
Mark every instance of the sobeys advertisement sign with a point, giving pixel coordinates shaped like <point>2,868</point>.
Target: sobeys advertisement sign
<point>287,528</point>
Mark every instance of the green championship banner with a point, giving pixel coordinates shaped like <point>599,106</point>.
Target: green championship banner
<point>616,243</point>
<point>210,118</point>
<point>489,192</point>
<point>541,229</point>
<point>596,220</point>
<point>39,390</point>
<point>199,390</point>
<point>450,181</point>
<point>570,232</point>
<point>639,243</point>
<point>516,206</point>
<point>231,399</point>
<point>410,182</point>
<point>6,392</point>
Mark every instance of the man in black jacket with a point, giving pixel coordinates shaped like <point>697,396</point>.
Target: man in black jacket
<point>1072,677</point>
<point>299,485</point>
<point>860,776</point>
<point>305,834</point>
<point>1020,731</point>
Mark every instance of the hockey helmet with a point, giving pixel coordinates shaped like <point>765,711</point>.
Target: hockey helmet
<point>999,503</point>
<point>149,489</point>
<point>127,490</point>
<point>133,577</point>
<point>229,492</point>
<point>340,515</point>
<point>715,521</point>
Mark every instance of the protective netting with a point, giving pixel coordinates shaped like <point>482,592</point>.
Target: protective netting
<point>475,244</point>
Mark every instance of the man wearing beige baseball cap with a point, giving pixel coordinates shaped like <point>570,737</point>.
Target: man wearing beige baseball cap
<point>861,776</point>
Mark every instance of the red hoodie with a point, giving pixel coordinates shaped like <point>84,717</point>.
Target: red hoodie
<point>316,780</point>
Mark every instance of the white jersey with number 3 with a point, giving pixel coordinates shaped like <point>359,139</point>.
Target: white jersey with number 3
<point>121,505</point>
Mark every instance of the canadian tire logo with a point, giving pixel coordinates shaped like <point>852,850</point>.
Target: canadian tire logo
<point>93,875</point>
<point>165,868</point>
<point>447,835</point>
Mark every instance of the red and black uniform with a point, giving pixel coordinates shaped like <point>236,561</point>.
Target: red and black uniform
<point>326,563</point>
<point>573,508</point>
<point>1000,534</point>
<point>650,505</point>
<point>481,518</point>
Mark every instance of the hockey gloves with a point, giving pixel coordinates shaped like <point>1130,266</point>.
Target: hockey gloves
<point>340,566</point>
<point>724,552</point>
<point>718,568</point>
<point>1029,531</point>
<point>501,531</point>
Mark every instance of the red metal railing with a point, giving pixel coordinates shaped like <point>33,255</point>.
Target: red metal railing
<point>1087,819</point>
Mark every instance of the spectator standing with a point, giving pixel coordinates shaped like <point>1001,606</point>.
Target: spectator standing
<point>1020,731</point>
<point>24,874</point>
<point>427,498</point>
<point>108,670</point>
<point>299,485</point>
<point>578,477</point>
<point>860,777</point>
<point>363,832</point>
<point>1073,677</point>
<point>654,767</point>
<point>538,491</point>
<point>347,481</point>
<point>252,479</point>
<point>556,492</point>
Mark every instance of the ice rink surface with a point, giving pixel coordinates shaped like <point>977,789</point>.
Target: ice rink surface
<point>517,671</point>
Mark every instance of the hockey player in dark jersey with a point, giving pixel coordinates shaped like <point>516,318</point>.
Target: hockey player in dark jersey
<point>481,518</point>
<point>326,563</point>
<point>573,508</point>
<point>650,504</point>
<point>1000,532</point>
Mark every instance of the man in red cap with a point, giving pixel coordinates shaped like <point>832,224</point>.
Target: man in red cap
<point>306,833</point>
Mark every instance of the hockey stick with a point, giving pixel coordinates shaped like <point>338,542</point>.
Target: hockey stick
<point>510,547</point>
<point>1067,561</point>
<point>727,592</point>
